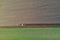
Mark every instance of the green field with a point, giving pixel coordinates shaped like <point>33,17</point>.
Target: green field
<point>30,34</point>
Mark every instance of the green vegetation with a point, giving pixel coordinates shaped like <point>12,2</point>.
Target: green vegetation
<point>29,33</point>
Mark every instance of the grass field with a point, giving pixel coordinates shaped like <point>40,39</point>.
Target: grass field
<point>30,34</point>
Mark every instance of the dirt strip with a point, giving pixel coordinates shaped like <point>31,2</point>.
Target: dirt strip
<point>32,26</point>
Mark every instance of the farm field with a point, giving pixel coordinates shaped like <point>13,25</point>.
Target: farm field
<point>29,33</point>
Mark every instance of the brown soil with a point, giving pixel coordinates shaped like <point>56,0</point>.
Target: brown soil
<point>32,26</point>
